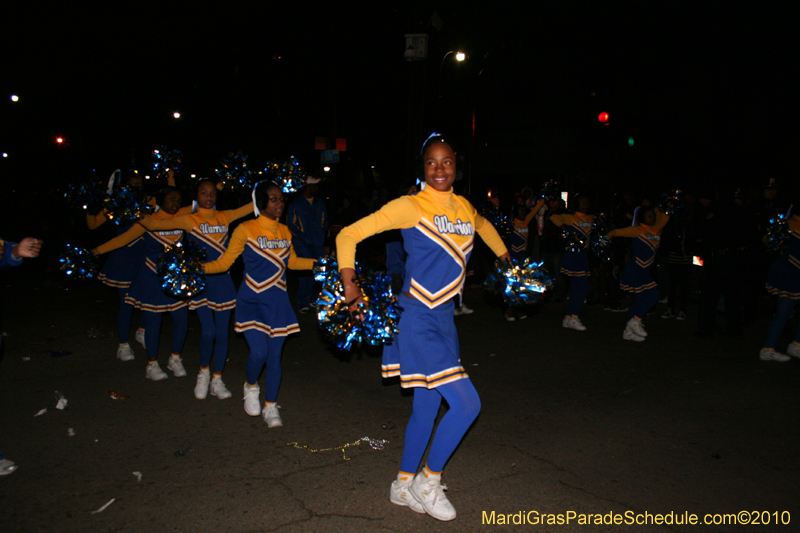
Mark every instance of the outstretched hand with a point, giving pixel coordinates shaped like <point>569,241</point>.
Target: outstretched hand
<point>27,247</point>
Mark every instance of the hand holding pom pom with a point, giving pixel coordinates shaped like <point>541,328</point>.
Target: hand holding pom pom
<point>181,271</point>
<point>574,241</point>
<point>375,314</point>
<point>78,263</point>
<point>165,160</point>
<point>550,191</point>
<point>672,202</point>
<point>89,196</point>
<point>126,205</point>
<point>521,284</point>
<point>289,175</point>
<point>234,172</point>
<point>778,234</point>
<point>502,223</point>
<point>599,244</point>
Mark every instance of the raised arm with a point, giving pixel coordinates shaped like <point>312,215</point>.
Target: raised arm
<point>561,220</point>
<point>236,214</point>
<point>119,241</point>
<point>95,221</point>
<point>534,210</point>
<point>235,249</point>
<point>661,220</point>
<point>183,222</point>
<point>629,231</point>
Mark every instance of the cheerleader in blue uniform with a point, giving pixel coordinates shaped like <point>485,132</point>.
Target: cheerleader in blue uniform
<point>146,293</point>
<point>518,245</point>
<point>575,264</point>
<point>784,282</point>
<point>438,230</point>
<point>636,276</point>
<point>121,268</point>
<point>263,311</point>
<point>208,228</point>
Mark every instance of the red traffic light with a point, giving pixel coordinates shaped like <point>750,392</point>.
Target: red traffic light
<point>603,117</point>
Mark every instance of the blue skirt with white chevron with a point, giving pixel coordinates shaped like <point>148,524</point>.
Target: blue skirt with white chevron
<point>268,312</point>
<point>146,294</point>
<point>220,293</point>
<point>784,277</point>
<point>636,279</point>
<point>425,351</point>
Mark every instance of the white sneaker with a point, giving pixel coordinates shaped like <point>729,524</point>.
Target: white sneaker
<point>175,364</point>
<point>139,336</point>
<point>637,327</point>
<point>219,389</point>
<point>7,466</point>
<point>465,310</point>
<point>769,354</point>
<point>154,372</point>
<point>124,352</point>
<point>565,322</point>
<point>399,495</point>
<point>429,491</point>
<point>201,388</point>
<point>510,318</point>
<point>252,403</point>
<point>793,349</point>
<point>630,335</point>
<point>271,416</point>
<point>576,324</point>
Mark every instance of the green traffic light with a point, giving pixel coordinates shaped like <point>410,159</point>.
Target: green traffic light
<point>630,141</point>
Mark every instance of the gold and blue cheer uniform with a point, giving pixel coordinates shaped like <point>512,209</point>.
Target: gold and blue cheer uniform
<point>438,232</point>
<point>262,303</point>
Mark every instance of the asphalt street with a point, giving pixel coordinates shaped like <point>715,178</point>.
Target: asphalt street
<point>572,422</point>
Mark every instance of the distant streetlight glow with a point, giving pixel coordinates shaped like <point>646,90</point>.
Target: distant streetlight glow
<point>176,114</point>
<point>14,98</point>
<point>59,140</point>
<point>194,176</point>
<point>5,154</point>
<point>460,56</point>
<point>328,169</point>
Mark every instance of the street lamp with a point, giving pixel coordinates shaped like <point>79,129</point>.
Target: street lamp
<point>176,115</point>
<point>14,98</point>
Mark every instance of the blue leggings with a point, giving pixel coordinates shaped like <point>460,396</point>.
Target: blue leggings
<point>783,313</point>
<point>264,350</point>
<point>180,325</point>
<point>643,302</point>
<point>464,406</point>
<point>578,291</point>
<point>214,336</point>
<point>124,317</point>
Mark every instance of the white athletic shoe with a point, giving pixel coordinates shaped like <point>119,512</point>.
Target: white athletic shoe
<point>175,364</point>
<point>271,416</point>
<point>576,324</point>
<point>154,372</point>
<point>793,349</point>
<point>252,403</point>
<point>139,336</point>
<point>201,388</point>
<point>565,322</point>
<point>769,354</point>
<point>219,389</point>
<point>399,495</point>
<point>429,491</point>
<point>7,466</point>
<point>637,327</point>
<point>124,352</point>
<point>630,335</point>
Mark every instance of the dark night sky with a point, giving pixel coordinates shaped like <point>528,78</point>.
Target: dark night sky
<point>708,95</point>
